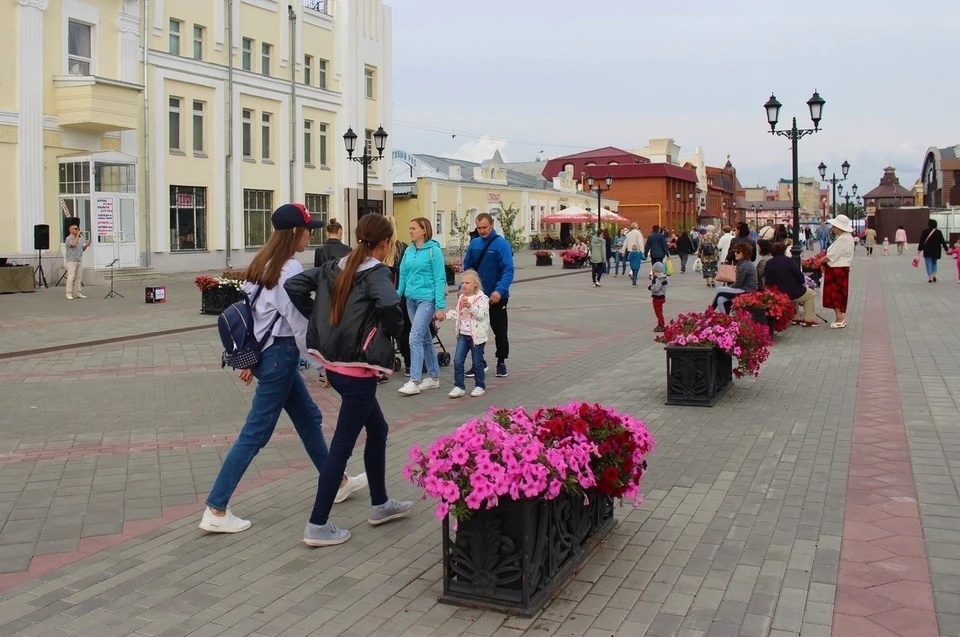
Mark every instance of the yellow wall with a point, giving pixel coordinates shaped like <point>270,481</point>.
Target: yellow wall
<point>261,174</point>
<point>191,12</point>
<point>318,42</point>
<point>8,52</point>
<point>319,178</point>
<point>8,184</point>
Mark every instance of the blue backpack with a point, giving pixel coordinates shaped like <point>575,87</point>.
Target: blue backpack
<point>241,350</point>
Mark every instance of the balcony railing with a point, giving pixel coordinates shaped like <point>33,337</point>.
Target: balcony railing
<point>321,6</point>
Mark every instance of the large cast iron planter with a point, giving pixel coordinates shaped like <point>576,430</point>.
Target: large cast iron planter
<point>516,556</point>
<point>697,376</point>
<point>547,260</point>
<point>216,300</point>
<point>573,266</point>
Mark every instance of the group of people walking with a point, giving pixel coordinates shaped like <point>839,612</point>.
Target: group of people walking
<point>347,315</point>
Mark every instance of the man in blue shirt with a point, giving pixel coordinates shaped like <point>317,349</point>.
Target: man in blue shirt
<point>491,256</point>
<point>656,248</point>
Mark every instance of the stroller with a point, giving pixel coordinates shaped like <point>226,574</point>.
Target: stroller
<point>443,356</point>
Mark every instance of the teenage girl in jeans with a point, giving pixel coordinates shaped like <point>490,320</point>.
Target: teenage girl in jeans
<point>353,321</point>
<point>280,385</point>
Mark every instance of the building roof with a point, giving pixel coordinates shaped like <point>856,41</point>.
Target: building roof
<point>888,191</point>
<point>767,205</point>
<point>514,177</point>
<point>532,168</point>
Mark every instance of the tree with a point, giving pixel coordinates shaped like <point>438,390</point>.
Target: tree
<point>508,226</point>
<point>460,230</point>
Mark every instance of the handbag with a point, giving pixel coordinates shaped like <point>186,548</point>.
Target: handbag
<point>916,262</point>
<point>726,273</point>
<point>697,265</point>
<point>668,267</point>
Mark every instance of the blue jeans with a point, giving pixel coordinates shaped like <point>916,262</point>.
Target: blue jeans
<point>931,264</point>
<point>618,260</point>
<point>724,298</point>
<point>279,387</point>
<point>359,410</point>
<point>421,340</point>
<point>466,345</point>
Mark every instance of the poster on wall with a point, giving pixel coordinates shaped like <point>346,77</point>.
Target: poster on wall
<point>103,207</point>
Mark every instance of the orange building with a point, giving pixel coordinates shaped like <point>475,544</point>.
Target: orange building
<point>646,192</point>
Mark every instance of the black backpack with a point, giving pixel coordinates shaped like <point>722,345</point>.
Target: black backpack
<point>708,249</point>
<point>241,350</point>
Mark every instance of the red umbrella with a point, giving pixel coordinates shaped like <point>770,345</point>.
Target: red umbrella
<point>576,214</point>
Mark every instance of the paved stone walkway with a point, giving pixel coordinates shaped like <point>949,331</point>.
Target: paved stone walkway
<point>743,532</point>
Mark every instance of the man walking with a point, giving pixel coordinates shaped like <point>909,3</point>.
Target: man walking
<point>75,247</point>
<point>657,247</point>
<point>491,256</point>
<point>633,242</point>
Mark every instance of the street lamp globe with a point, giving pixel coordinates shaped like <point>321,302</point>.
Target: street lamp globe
<point>590,181</point>
<point>773,111</point>
<point>609,180</point>
<point>380,140</point>
<point>854,188</point>
<point>845,166</point>
<point>350,141</point>
<point>840,189</point>
<point>816,109</point>
<point>678,195</point>
<point>823,170</point>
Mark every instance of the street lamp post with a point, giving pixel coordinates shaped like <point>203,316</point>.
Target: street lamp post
<point>847,197</point>
<point>844,168</point>
<point>794,134</point>
<point>861,213</point>
<point>597,189</point>
<point>683,210</point>
<point>350,141</point>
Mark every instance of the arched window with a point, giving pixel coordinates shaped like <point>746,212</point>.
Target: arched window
<point>613,163</point>
<point>590,163</point>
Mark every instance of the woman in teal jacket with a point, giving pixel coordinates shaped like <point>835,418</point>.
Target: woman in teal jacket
<point>424,284</point>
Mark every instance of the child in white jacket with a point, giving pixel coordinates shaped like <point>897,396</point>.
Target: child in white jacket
<point>473,326</point>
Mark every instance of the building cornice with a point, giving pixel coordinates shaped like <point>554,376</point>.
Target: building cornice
<point>40,5</point>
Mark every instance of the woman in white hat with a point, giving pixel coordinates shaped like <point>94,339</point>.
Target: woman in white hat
<point>836,270</point>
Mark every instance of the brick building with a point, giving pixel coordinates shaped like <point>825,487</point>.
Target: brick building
<point>720,202</point>
<point>941,177</point>
<point>888,194</point>
<point>647,191</point>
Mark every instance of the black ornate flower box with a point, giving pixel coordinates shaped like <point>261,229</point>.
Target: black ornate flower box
<point>697,376</point>
<point>573,266</point>
<point>544,260</point>
<point>516,556</point>
<point>216,300</point>
<point>759,315</point>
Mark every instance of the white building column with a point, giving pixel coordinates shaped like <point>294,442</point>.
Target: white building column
<point>129,26</point>
<point>30,104</point>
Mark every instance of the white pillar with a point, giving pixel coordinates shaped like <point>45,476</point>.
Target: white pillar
<point>30,103</point>
<point>129,26</point>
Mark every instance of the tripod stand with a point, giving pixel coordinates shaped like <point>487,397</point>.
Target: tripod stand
<point>39,276</point>
<point>112,293</point>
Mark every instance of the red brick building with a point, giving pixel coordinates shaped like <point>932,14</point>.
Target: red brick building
<point>646,192</point>
<point>722,192</point>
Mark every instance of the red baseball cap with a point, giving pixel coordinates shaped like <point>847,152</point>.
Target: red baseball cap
<point>293,215</point>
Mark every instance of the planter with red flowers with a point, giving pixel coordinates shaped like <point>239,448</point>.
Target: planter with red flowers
<point>768,306</point>
<point>700,352</point>
<point>573,259</point>
<point>219,293</point>
<point>544,257</point>
<point>531,495</point>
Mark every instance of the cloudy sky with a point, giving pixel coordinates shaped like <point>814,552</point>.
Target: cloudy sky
<point>562,76</point>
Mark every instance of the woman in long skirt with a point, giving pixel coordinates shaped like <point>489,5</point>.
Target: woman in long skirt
<point>836,270</point>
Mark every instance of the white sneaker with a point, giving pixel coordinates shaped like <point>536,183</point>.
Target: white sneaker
<point>80,296</point>
<point>69,297</point>
<point>410,388</point>
<point>429,383</point>
<point>353,485</point>
<point>227,524</point>
<point>478,391</point>
<point>457,392</point>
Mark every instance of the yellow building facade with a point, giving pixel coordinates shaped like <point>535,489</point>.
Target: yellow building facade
<point>172,129</point>
<point>440,188</point>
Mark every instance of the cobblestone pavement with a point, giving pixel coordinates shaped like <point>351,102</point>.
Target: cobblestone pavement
<point>747,528</point>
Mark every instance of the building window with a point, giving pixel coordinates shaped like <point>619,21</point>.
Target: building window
<point>308,69</point>
<point>247,133</point>
<point>246,57</point>
<point>198,126</point>
<point>265,50</point>
<point>369,78</point>
<point>307,142</point>
<point>175,37</point>
<point>533,218</point>
<point>197,42</point>
<point>188,218</point>
<point>257,208</point>
<point>438,228</point>
<point>174,126</point>
<point>318,207</point>
<point>322,73</point>
<point>956,178</point>
<point>265,136</point>
<point>79,48</point>
<point>323,144</point>
<point>114,177</point>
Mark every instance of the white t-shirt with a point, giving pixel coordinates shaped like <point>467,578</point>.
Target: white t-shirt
<point>274,301</point>
<point>724,246</point>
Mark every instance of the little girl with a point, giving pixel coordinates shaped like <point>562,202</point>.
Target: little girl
<point>956,255</point>
<point>886,247</point>
<point>473,326</point>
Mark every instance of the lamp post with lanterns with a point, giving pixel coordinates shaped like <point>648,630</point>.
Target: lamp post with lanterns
<point>350,141</point>
<point>597,189</point>
<point>844,168</point>
<point>794,134</point>
<point>847,197</point>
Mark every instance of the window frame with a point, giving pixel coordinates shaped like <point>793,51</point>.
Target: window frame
<point>322,73</point>
<point>246,54</point>
<point>308,70</point>
<point>318,236</point>
<point>199,222</point>
<point>199,33</point>
<point>263,202</point>
<point>322,141</point>
<point>175,110</point>
<point>369,83</point>
<point>174,34</point>
<point>368,143</point>
<point>246,134</point>
<point>266,58</point>
<point>438,227</point>
<point>92,35</point>
<point>266,121</point>
<point>308,142</point>
<point>199,113</point>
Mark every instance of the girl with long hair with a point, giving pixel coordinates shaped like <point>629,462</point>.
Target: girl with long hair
<point>353,320</point>
<point>280,329</point>
<point>393,259</point>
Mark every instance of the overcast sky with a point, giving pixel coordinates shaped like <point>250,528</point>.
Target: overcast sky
<point>564,76</point>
